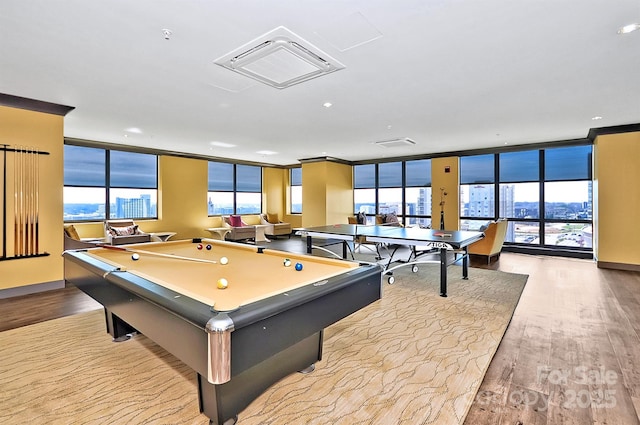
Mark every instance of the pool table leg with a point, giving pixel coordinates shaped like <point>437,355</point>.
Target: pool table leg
<point>221,403</point>
<point>118,328</point>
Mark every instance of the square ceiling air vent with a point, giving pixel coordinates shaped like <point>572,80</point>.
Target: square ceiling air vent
<point>280,59</point>
<point>394,143</point>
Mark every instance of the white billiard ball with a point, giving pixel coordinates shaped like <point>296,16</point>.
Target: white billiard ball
<point>224,260</point>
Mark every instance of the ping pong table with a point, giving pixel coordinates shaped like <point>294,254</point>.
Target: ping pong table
<point>428,241</point>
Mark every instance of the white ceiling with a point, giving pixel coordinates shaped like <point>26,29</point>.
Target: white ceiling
<point>449,74</point>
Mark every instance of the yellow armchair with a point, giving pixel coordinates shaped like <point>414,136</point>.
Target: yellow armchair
<point>493,240</point>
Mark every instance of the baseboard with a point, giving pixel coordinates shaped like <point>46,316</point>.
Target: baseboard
<point>31,289</point>
<point>618,266</point>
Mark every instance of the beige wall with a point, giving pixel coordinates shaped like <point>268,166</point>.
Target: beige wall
<point>450,182</point>
<point>43,132</point>
<point>617,200</point>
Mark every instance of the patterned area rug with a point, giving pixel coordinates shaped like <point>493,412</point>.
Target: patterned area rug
<point>410,358</point>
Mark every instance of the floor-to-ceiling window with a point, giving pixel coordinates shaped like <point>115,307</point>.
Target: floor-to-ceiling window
<point>402,188</point>
<point>104,184</point>
<point>546,195</point>
<point>295,190</point>
<point>234,189</point>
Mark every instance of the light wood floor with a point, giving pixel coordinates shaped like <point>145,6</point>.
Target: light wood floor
<point>571,354</point>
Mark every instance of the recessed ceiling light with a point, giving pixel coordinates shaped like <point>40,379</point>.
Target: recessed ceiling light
<point>629,28</point>
<point>135,130</point>
<point>327,104</point>
<point>222,144</point>
<point>596,118</point>
<point>266,152</point>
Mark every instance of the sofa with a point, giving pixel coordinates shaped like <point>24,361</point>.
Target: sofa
<point>491,245</point>
<point>121,232</point>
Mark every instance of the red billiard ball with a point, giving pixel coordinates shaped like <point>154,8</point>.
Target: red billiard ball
<point>199,246</point>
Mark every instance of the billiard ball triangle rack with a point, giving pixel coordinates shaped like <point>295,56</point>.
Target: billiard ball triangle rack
<point>26,203</point>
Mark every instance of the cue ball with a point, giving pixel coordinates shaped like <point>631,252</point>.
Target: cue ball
<point>224,260</point>
<point>208,246</point>
<point>222,283</point>
<point>135,256</point>
<point>199,246</point>
<point>298,266</point>
<point>286,262</point>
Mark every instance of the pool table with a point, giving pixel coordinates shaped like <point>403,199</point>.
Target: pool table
<point>266,324</point>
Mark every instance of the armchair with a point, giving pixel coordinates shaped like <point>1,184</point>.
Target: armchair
<point>239,229</point>
<point>491,244</point>
<point>361,241</point>
<point>275,227</point>
<point>73,241</point>
<point>120,232</point>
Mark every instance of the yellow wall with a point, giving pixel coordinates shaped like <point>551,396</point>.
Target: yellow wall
<point>450,182</point>
<point>617,200</point>
<point>43,132</point>
<point>274,184</point>
<point>327,195</point>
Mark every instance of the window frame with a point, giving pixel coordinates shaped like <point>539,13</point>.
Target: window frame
<point>236,190</point>
<point>109,188</point>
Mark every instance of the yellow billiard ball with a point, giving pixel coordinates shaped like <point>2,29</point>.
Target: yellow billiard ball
<point>222,283</point>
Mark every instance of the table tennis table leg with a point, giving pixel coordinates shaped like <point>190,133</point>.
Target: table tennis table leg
<point>465,264</point>
<point>309,245</point>
<point>443,272</point>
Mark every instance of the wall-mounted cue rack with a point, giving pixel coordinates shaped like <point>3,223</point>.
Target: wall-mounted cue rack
<point>26,203</point>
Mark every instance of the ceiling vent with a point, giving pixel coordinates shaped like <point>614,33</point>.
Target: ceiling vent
<point>280,59</point>
<point>396,143</point>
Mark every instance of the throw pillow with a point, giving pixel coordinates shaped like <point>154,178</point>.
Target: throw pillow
<point>272,218</point>
<point>235,220</point>
<point>391,218</point>
<point>124,231</point>
<point>71,231</point>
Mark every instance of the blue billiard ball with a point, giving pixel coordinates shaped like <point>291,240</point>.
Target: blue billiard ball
<point>208,247</point>
<point>298,266</point>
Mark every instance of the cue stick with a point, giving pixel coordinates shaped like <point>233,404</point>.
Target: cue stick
<point>32,202</point>
<point>37,202</point>
<point>4,201</point>
<point>157,254</point>
<point>19,193</point>
<point>15,202</point>
<point>27,200</point>
<point>23,202</point>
